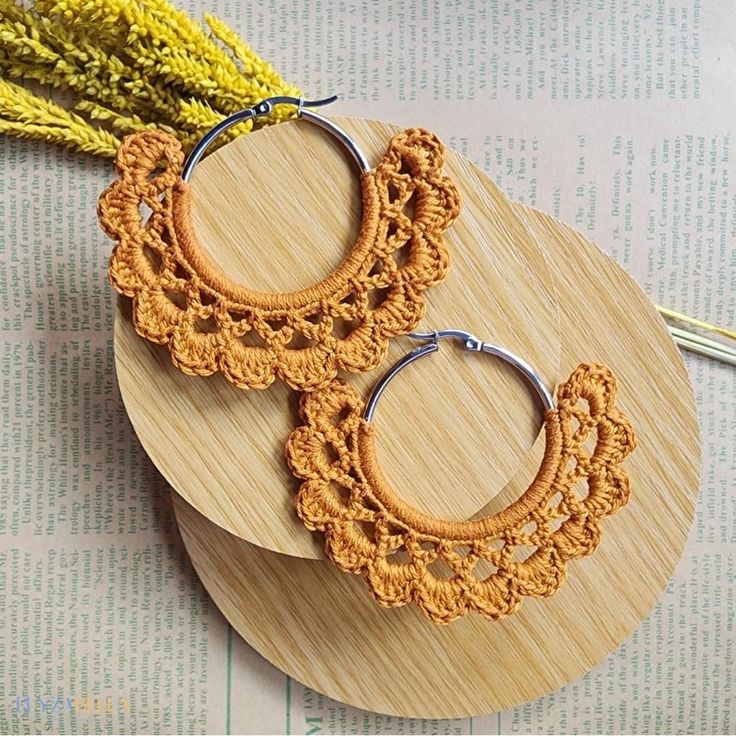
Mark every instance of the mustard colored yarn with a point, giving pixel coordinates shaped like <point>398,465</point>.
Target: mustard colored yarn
<point>209,323</point>
<point>370,531</point>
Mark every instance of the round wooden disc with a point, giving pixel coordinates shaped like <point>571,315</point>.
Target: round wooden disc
<point>321,626</point>
<point>221,448</point>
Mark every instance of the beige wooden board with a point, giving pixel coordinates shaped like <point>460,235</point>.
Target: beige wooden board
<point>320,625</point>
<point>616,324</point>
<point>278,211</point>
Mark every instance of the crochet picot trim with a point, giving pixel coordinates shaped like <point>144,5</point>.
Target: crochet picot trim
<point>450,568</point>
<point>210,323</point>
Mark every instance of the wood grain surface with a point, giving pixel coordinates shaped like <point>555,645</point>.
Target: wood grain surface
<point>320,625</point>
<point>222,447</point>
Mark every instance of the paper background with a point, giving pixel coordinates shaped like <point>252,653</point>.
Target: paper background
<point>616,117</point>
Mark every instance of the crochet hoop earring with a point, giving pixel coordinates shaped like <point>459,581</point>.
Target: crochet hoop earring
<point>486,565</point>
<point>210,323</point>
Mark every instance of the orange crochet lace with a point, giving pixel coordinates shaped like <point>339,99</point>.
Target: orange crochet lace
<point>209,323</point>
<point>450,568</point>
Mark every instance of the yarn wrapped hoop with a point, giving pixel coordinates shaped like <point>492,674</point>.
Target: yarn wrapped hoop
<point>485,565</point>
<point>210,324</point>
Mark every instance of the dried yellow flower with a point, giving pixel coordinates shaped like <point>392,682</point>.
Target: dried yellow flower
<point>132,64</point>
<point>26,115</point>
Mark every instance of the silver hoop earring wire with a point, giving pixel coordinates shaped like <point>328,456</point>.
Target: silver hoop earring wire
<point>470,342</point>
<point>265,107</point>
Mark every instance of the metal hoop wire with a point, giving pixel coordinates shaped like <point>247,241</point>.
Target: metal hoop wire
<point>470,342</point>
<point>264,108</point>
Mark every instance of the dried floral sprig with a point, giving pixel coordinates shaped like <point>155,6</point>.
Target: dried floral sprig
<point>26,115</point>
<point>132,64</point>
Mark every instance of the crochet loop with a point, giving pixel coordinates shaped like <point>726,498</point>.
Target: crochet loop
<point>209,323</point>
<point>450,568</point>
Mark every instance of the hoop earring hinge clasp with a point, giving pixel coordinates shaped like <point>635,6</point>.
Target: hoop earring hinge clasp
<point>265,107</point>
<point>469,341</point>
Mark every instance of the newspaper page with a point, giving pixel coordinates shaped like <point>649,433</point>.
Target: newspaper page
<point>617,117</point>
